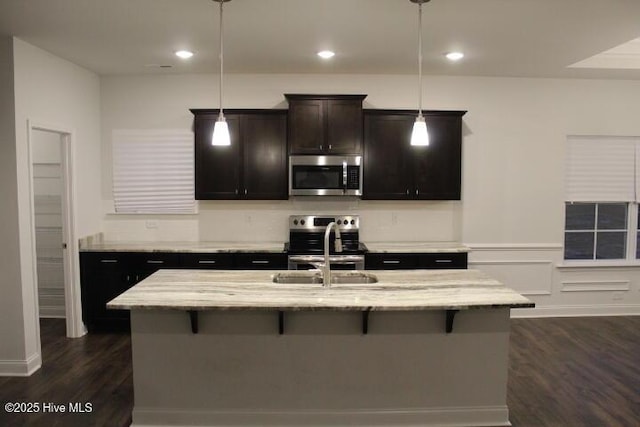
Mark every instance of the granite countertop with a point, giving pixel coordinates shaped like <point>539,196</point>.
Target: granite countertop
<point>417,247</point>
<point>400,290</point>
<point>271,247</point>
<point>184,247</point>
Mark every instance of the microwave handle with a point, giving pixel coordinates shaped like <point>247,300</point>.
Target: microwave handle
<point>344,176</point>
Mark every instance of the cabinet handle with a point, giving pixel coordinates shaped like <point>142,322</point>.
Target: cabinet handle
<point>257,261</point>
<point>391,261</point>
<point>407,191</point>
<point>236,191</point>
<point>109,261</point>
<point>417,191</point>
<point>321,147</point>
<point>330,146</point>
<point>245,191</point>
<point>128,278</point>
<point>444,261</point>
<point>206,261</point>
<point>152,261</point>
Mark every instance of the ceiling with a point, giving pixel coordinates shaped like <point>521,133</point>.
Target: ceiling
<point>517,38</point>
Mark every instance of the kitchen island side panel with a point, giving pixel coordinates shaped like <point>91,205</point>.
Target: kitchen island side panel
<point>238,370</point>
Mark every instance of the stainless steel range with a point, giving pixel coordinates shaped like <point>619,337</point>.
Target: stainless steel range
<point>306,237</point>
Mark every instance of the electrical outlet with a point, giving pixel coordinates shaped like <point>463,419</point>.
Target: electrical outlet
<point>151,224</point>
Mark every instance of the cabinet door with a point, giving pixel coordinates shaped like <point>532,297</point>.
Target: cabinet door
<point>217,169</point>
<point>103,277</point>
<point>344,126</point>
<point>387,173</point>
<point>265,156</point>
<point>437,168</point>
<point>306,126</point>
<point>261,261</point>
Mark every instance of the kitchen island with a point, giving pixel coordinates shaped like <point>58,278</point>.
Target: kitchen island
<point>235,348</point>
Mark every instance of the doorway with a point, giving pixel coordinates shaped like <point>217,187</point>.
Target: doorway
<point>55,250</point>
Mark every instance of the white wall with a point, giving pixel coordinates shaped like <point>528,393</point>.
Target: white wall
<point>12,324</point>
<point>48,90</point>
<point>511,211</point>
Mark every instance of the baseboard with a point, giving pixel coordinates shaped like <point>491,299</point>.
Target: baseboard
<point>577,311</point>
<point>20,368</point>
<point>483,416</point>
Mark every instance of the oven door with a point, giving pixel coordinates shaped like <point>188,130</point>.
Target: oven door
<point>355,265</point>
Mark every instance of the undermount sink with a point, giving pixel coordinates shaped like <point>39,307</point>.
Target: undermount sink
<point>337,278</point>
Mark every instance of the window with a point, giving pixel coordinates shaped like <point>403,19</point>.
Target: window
<point>601,212</point>
<point>595,231</point>
<point>153,172</point>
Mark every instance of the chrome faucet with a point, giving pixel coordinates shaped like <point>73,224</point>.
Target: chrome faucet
<point>326,267</point>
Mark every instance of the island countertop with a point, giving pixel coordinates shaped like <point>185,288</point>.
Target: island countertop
<point>399,290</point>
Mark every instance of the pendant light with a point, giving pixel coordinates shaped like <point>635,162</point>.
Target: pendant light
<point>420,135</point>
<point>221,129</point>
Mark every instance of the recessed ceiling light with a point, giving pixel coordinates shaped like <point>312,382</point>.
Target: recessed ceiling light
<point>184,54</point>
<point>454,56</point>
<point>326,54</point>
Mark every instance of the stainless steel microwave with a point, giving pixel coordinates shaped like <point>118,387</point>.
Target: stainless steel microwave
<point>325,175</point>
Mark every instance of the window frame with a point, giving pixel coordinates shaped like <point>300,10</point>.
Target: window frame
<point>632,233</point>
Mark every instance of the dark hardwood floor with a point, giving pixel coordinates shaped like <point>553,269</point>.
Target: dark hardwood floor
<point>564,372</point>
<point>94,369</point>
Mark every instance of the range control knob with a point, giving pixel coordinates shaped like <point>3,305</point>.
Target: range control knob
<point>302,221</point>
<point>339,222</point>
<point>353,222</point>
<point>295,222</point>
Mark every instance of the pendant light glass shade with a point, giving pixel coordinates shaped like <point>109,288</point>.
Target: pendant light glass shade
<point>420,134</point>
<point>221,135</point>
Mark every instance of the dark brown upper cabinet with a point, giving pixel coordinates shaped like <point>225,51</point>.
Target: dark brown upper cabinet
<point>325,124</point>
<point>395,170</point>
<point>253,167</point>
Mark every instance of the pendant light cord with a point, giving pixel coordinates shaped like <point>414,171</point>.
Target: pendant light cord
<point>221,58</point>
<point>420,59</point>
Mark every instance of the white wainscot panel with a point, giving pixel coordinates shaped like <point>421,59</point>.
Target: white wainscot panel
<point>595,285</point>
<point>527,268</point>
<point>528,277</point>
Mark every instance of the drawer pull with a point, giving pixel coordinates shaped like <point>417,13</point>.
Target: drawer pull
<point>109,261</point>
<point>391,261</point>
<point>206,261</point>
<point>257,261</point>
<point>444,261</point>
<point>152,261</point>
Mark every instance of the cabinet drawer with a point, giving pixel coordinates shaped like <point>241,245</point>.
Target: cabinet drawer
<point>154,260</point>
<point>391,261</point>
<point>443,260</point>
<point>209,261</point>
<point>261,261</point>
<point>102,260</point>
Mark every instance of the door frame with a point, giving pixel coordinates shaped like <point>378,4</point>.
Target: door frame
<point>71,264</point>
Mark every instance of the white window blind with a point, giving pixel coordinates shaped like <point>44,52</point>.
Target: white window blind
<point>601,169</point>
<point>153,171</point>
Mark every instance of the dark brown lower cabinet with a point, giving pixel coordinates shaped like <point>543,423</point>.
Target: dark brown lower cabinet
<point>105,275</point>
